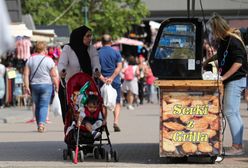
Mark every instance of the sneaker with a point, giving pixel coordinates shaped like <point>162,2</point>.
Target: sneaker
<point>96,134</point>
<point>232,151</point>
<point>30,121</point>
<point>116,128</point>
<point>130,107</point>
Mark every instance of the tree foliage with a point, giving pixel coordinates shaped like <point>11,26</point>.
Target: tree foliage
<point>104,16</point>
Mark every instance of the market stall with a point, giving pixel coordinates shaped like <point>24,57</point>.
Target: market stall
<point>127,46</point>
<point>190,107</point>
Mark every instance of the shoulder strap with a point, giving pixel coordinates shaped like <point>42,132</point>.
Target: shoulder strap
<point>37,68</point>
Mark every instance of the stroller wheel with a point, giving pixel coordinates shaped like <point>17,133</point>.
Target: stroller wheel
<point>96,153</point>
<point>116,157</point>
<point>65,154</point>
<point>108,156</point>
<point>102,153</point>
<point>81,156</point>
<point>73,155</point>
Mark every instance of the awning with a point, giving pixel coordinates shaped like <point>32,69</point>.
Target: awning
<point>46,33</point>
<point>43,35</point>
<point>122,40</point>
<point>154,25</point>
<point>35,35</point>
<point>128,41</point>
<point>20,30</point>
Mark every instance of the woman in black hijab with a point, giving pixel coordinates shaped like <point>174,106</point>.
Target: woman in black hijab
<point>80,47</point>
<point>77,56</point>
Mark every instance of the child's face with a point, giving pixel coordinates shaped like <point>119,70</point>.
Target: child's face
<point>92,107</point>
<point>74,97</point>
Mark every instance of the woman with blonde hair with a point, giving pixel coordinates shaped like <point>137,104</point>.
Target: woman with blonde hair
<point>39,77</point>
<point>232,64</point>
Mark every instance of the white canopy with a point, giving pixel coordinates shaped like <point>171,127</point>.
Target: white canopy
<point>20,30</point>
<point>154,25</point>
<point>43,35</point>
<point>35,35</point>
<point>122,40</point>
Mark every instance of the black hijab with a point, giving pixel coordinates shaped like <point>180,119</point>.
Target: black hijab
<point>76,43</point>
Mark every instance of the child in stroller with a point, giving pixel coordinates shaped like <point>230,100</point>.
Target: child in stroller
<point>83,121</point>
<point>91,116</point>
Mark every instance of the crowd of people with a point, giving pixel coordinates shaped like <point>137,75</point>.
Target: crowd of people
<point>47,69</point>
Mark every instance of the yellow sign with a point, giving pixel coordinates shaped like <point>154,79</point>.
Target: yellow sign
<point>195,110</point>
<point>181,136</point>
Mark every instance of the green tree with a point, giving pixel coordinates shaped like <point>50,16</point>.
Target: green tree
<point>104,16</point>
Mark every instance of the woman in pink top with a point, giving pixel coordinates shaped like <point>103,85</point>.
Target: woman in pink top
<point>149,82</point>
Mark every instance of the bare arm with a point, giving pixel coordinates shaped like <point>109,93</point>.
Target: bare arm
<point>116,72</point>
<point>55,78</point>
<point>234,68</point>
<point>26,79</point>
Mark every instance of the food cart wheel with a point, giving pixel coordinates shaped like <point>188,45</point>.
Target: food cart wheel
<point>212,159</point>
<point>167,160</point>
<point>183,159</point>
<point>178,159</point>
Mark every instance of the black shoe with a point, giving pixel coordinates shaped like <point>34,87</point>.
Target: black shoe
<point>116,128</point>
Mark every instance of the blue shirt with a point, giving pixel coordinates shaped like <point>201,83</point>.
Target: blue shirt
<point>109,58</point>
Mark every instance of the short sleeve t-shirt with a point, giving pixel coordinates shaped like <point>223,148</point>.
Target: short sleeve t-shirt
<point>42,76</point>
<point>109,58</point>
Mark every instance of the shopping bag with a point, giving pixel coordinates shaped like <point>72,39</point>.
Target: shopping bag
<point>109,95</point>
<point>55,106</point>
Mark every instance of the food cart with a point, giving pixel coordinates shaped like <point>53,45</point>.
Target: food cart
<point>190,108</point>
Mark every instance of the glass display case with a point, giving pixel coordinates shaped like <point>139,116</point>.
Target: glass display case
<point>177,52</point>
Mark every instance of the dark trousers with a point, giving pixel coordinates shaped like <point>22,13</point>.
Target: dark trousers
<point>1,102</point>
<point>141,90</point>
<point>62,98</point>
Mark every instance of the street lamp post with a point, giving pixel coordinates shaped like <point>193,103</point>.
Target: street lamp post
<point>85,10</point>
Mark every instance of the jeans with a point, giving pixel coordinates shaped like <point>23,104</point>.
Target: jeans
<point>41,95</point>
<point>232,96</point>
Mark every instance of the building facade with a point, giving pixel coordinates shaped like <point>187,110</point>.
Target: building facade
<point>235,11</point>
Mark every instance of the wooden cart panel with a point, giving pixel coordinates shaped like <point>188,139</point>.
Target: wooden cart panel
<point>191,119</point>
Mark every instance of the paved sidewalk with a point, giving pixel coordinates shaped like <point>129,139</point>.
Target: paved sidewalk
<point>15,114</point>
<point>137,143</point>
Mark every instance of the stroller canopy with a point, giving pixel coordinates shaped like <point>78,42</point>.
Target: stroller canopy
<point>77,81</point>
